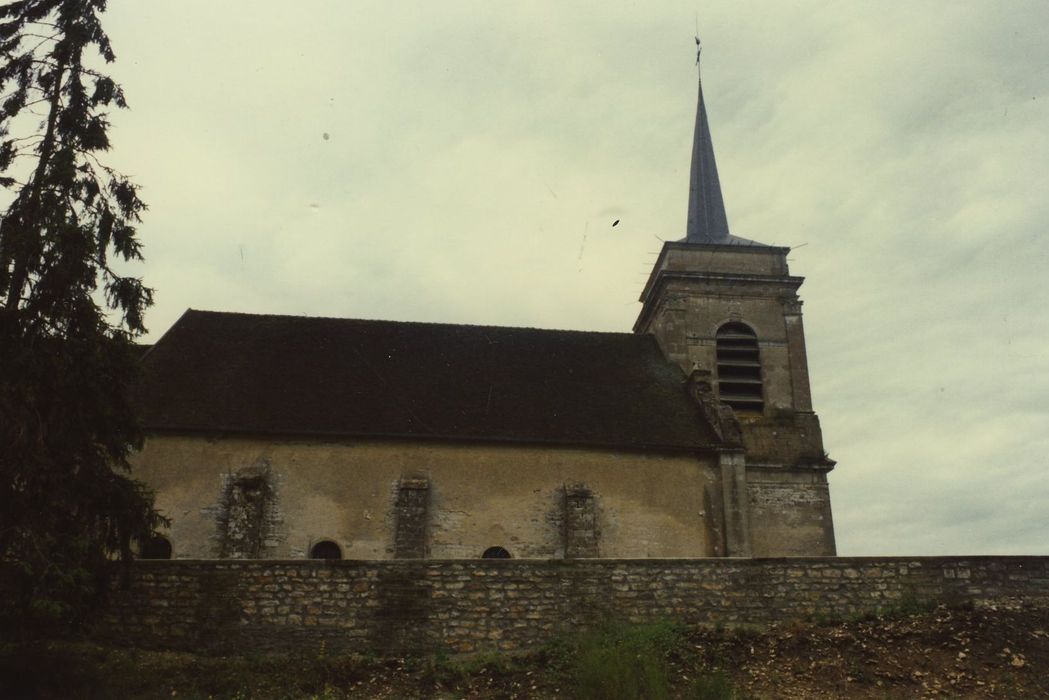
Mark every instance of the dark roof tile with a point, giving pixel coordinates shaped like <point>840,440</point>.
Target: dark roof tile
<point>294,375</point>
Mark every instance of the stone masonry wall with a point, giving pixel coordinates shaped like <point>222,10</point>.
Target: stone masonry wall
<point>581,522</point>
<point>411,511</point>
<point>383,499</point>
<point>511,605</point>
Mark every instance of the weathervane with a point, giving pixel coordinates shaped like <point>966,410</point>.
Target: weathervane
<point>699,49</point>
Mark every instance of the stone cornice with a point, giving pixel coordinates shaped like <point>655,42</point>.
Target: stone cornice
<point>662,278</point>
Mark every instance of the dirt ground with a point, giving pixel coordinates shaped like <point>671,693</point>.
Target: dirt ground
<point>943,653</point>
<point>940,653</point>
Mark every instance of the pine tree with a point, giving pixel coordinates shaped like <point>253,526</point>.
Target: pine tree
<point>68,507</point>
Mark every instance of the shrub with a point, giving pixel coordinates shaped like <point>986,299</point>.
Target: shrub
<point>621,661</point>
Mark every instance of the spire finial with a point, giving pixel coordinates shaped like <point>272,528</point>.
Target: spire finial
<point>707,222</point>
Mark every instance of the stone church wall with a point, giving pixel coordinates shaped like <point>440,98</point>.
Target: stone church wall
<point>247,498</point>
<point>789,513</point>
<point>512,605</point>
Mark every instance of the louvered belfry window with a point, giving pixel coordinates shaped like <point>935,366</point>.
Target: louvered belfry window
<point>739,367</point>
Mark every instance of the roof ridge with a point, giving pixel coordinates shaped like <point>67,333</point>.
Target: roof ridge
<point>304,317</point>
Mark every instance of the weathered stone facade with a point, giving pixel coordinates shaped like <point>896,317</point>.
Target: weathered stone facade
<point>381,499</point>
<point>513,605</point>
<point>248,520</point>
<point>695,290</point>
<point>582,532</point>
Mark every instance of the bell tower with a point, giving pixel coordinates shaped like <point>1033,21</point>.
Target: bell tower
<point>728,306</point>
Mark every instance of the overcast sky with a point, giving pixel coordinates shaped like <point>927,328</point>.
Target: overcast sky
<point>463,162</point>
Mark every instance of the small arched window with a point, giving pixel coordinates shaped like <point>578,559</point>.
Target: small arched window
<point>325,549</point>
<point>156,547</point>
<point>739,367</point>
<point>496,553</point>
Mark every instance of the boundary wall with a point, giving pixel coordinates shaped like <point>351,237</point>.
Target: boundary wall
<point>461,606</point>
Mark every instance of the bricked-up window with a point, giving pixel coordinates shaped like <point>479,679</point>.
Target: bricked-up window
<point>156,547</point>
<point>246,518</point>
<point>411,518</point>
<point>496,553</point>
<point>581,532</point>
<point>739,367</point>
<point>325,549</point>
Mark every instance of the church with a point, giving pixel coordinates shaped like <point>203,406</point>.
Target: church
<point>694,435</point>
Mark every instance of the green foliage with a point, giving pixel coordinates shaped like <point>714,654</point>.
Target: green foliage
<point>67,507</point>
<point>621,661</point>
<point>713,686</point>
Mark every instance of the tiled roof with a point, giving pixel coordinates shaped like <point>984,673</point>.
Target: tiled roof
<point>291,375</point>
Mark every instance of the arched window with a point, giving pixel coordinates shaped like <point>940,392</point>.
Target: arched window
<point>496,553</point>
<point>156,547</point>
<point>739,367</point>
<point>325,549</point>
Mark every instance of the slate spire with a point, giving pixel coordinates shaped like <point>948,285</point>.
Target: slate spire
<point>707,222</point>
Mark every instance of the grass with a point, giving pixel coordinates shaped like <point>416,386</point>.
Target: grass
<point>620,661</point>
<point>616,661</point>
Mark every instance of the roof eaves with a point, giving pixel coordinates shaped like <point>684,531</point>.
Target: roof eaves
<point>704,448</point>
